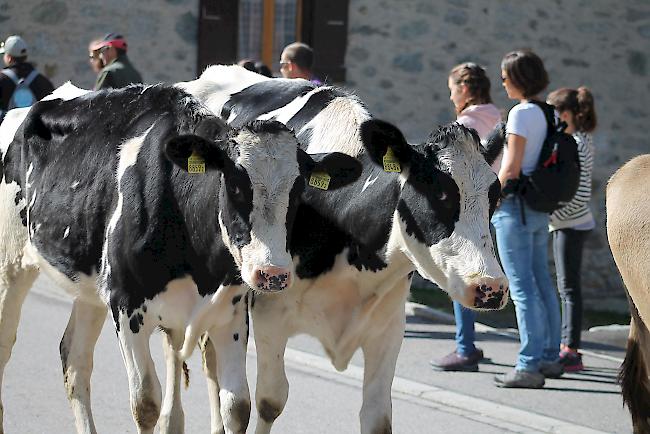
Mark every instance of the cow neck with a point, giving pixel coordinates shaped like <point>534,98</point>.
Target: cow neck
<point>198,197</point>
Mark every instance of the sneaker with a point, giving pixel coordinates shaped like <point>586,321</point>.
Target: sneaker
<point>551,369</point>
<point>520,379</point>
<point>456,362</point>
<point>571,360</point>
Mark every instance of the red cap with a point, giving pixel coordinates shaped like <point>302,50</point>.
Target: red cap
<point>118,42</point>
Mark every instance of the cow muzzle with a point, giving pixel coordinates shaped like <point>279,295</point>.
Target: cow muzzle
<point>487,294</point>
<point>272,279</point>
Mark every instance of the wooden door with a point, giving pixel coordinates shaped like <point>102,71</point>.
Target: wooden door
<point>217,32</point>
<point>324,27</point>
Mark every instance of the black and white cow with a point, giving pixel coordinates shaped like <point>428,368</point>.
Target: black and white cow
<point>142,201</point>
<point>423,208</point>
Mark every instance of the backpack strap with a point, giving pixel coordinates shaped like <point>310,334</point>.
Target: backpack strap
<point>549,115</point>
<point>30,77</point>
<point>11,74</point>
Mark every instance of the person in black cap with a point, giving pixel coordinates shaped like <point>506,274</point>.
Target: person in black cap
<point>119,71</point>
<point>21,85</point>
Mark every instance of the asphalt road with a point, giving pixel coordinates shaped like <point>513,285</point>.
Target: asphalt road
<point>320,399</point>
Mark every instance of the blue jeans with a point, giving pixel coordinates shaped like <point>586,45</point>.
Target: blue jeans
<point>524,254</point>
<point>464,330</point>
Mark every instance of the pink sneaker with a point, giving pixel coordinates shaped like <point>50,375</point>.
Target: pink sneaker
<point>571,360</point>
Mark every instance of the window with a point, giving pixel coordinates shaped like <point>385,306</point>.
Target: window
<point>230,30</point>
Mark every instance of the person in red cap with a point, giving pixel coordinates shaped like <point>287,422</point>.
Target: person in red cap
<point>118,70</point>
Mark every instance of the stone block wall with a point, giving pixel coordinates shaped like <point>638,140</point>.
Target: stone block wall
<point>162,35</point>
<point>399,54</point>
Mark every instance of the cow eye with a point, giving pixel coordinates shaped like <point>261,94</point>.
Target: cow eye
<point>236,192</point>
<point>442,196</point>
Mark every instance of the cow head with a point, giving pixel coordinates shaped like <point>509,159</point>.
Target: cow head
<point>441,221</point>
<point>263,173</point>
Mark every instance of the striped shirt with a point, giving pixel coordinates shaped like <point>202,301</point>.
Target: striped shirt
<point>576,214</point>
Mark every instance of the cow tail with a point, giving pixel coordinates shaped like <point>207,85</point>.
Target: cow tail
<point>191,341</point>
<point>186,375</point>
<point>633,375</point>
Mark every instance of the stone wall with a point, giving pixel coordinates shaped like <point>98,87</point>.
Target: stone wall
<point>399,54</point>
<point>162,35</point>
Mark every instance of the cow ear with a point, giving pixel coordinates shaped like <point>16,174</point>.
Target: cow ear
<point>341,168</point>
<point>493,145</point>
<point>378,136</point>
<point>195,154</point>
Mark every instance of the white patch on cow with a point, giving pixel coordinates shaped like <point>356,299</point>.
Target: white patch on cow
<point>27,175</point>
<point>74,185</point>
<point>82,286</point>
<point>285,113</point>
<point>12,121</point>
<point>128,155</point>
<point>336,127</point>
<point>66,232</point>
<point>180,307</point>
<point>218,82</point>
<point>368,182</point>
<point>32,201</point>
<point>271,164</point>
<point>66,92</point>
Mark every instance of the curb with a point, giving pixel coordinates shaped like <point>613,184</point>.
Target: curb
<point>439,316</point>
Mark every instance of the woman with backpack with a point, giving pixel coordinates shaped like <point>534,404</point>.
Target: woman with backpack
<point>469,89</point>
<point>522,232</point>
<point>571,223</point>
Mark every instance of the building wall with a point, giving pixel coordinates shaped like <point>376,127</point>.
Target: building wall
<point>162,35</point>
<point>399,55</point>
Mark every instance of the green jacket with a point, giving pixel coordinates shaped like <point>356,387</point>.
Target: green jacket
<point>118,73</point>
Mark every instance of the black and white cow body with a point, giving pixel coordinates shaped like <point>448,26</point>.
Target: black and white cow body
<point>101,198</point>
<point>355,249</point>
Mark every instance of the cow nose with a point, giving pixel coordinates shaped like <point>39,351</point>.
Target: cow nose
<point>272,278</point>
<point>491,294</point>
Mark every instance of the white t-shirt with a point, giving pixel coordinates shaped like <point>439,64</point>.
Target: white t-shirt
<point>527,120</point>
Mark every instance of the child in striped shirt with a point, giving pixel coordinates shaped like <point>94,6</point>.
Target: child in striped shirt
<point>571,223</point>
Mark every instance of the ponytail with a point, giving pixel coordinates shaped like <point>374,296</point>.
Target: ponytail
<point>475,78</point>
<point>585,117</point>
<point>580,102</point>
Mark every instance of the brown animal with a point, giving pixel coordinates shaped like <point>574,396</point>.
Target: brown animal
<point>628,231</point>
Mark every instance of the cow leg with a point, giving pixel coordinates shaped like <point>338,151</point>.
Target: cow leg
<point>380,353</point>
<point>15,281</point>
<point>209,356</point>
<point>144,386</point>
<point>272,389</point>
<point>229,354</point>
<point>172,418</point>
<point>76,349</point>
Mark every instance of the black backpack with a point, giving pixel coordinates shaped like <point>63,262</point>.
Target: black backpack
<point>556,178</point>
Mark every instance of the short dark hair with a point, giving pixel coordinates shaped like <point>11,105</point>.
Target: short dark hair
<point>526,71</point>
<point>301,54</point>
<point>20,59</point>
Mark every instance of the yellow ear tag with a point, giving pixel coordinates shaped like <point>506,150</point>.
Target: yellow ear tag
<point>195,163</point>
<point>391,163</point>
<point>320,180</point>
